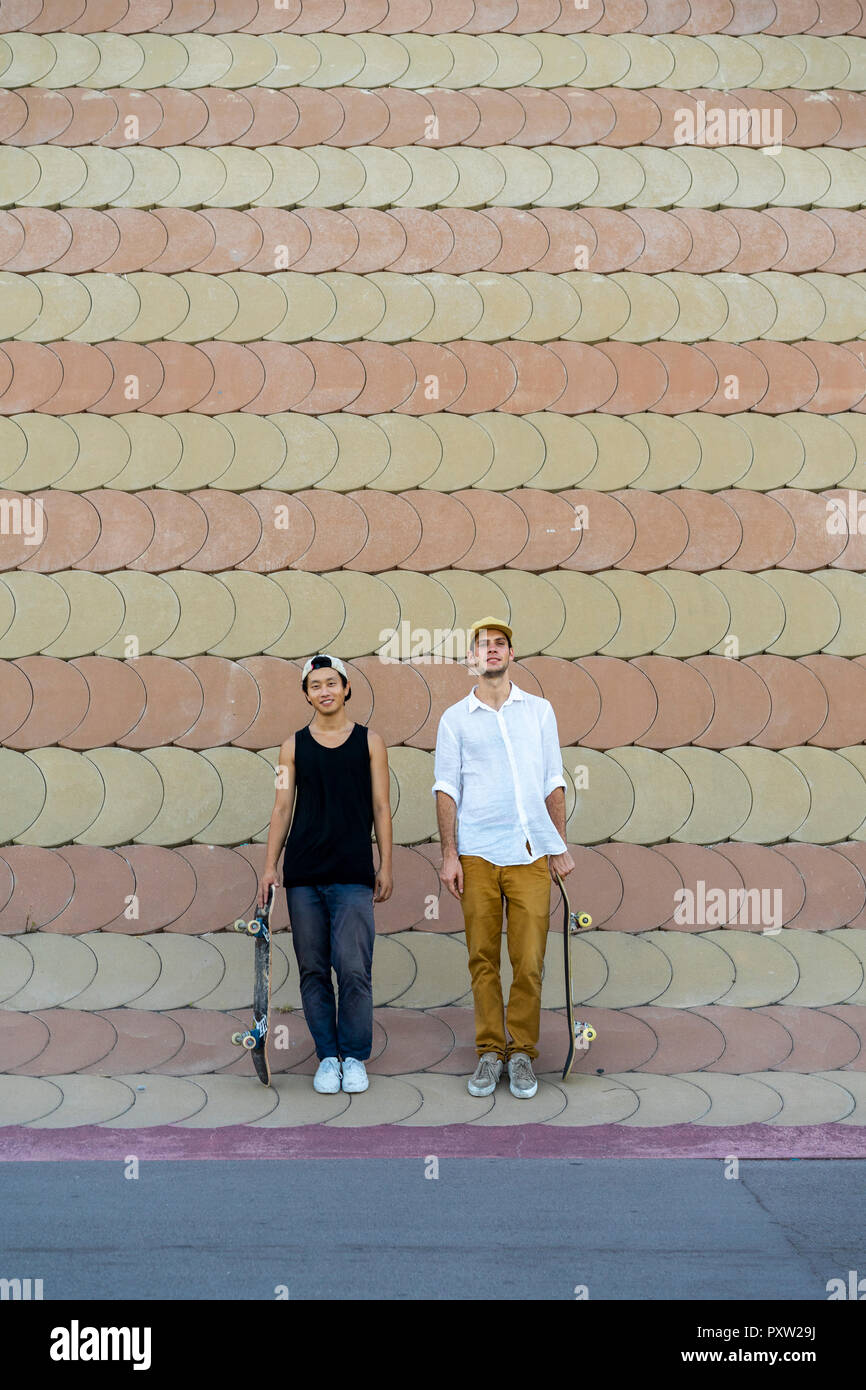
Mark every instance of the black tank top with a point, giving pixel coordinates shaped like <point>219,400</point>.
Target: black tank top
<point>329,841</point>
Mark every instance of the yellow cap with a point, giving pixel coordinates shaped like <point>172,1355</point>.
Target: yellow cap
<point>492,622</point>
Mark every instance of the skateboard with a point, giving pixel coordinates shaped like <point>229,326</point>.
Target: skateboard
<point>580,1035</point>
<point>255,1039</point>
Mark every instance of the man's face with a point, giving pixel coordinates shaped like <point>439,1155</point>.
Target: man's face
<point>492,650</point>
<point>325,690</point>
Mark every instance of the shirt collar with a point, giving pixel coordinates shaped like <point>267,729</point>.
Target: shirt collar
<point>473,702</point>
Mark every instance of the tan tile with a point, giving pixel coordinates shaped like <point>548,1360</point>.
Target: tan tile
<point>853,1083</point>
<point>548,1102</point>
<point>736,1100</point>
<point>388,1100</point>
<point>394,969</point>
<point>87,1100</point>
<point>62,967</point>
<point>854,938</point>
<point>721,796</point>
<point>664,1100</point>
<point>827,972</point>
<point>299,1104</point>
<point>662,795</point>
<point>158,1100</point>
<point>17,965</point>
<point>27,1098</point>
<point>780,794</point>
<point>765,971</point>
<point>441,970</point>
<point>231,1100</point>
<point>593,1100</point>
<point>838,793</point>
<point>191,967</point>
<point>446,1100</point>
<point>808,1100</point>
<point>701,971</point>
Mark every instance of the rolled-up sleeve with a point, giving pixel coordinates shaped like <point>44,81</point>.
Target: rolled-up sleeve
<point>552,752</point>
<point>447,763</point>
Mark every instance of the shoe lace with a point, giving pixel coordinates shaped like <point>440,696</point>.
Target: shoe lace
<point>486,1069</point>
<point>522,1069</point>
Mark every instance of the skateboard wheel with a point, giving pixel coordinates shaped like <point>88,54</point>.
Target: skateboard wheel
<point>240,925</point>
<point>248,1041</point>
<point>589,1033</point>
<point>237,1039</point>
<point>584,919</point>
<point>252,928</point>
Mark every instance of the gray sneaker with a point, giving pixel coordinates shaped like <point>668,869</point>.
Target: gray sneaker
<point>521,1076</point>
<point>487,1075</point>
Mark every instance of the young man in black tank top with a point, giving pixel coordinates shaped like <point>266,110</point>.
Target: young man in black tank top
<point>340,772</point>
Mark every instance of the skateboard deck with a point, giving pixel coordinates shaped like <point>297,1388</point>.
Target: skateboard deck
<point>255,1039</point>
<point>580,1035</point>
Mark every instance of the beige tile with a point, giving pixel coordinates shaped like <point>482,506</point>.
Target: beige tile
<point>441,969</point>
<point>192,969</point>
<point>808,1100</point>
<point>593,1100</point>
<point>736,1100</point>
<point>827,972</point>
<point>158,1100</point>
<point>388,1100</point>
<point>701,972</point>
<point>87,1100</point>
<point>27,1098</point>
<point>855,1084</point>
<point>446,1100</point>
<point>664,1100</point>
<point>231,1100</point>
<point>299,1104</point>
<point>548,1102</point>
<point>126,967</point>
<point>765,971</point>
<point>62,967</point>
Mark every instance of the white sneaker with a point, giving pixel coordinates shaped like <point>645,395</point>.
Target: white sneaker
<point>327,1078</point>
<point>355,1076</point>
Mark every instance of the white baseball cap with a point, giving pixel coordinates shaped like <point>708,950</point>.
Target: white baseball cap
<point>325,660</point>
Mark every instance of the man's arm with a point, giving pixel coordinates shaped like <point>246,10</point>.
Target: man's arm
<point>381,814</point>
<point>451,872</point>
<point>446,789</point>
<point>281,817</point>
<point>554,791</point>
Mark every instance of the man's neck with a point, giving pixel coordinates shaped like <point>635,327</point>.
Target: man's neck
<point>331,725</point>
<point>494,689</point>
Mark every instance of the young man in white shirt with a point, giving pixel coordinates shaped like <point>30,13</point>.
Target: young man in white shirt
<point>500,802</point>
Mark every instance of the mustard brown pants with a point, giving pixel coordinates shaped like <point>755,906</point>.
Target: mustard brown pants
<point>526,891</point>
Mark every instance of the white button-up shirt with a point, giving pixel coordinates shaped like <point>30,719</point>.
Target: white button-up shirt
<point>499,766</point>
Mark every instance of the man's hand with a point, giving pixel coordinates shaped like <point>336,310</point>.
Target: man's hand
<point>268,877</point>
<point>451,874</point>
<point>561,864</point>
<point>384,885</point>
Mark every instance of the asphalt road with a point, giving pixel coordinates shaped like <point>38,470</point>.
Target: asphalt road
<point>378,1228</point>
